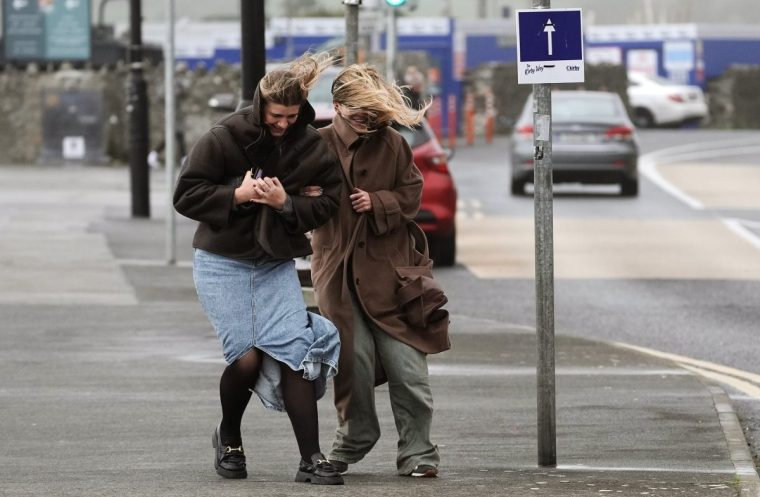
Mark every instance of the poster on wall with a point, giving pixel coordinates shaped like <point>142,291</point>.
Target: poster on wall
<point>678,60</point>
<point>645,61</point>
<point>47,30</point>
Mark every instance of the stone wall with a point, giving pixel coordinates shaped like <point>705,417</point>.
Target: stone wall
<point>734,101</point>
<point>22,105</point>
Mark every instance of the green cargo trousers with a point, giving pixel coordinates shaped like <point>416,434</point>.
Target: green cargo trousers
<point>410,396</point>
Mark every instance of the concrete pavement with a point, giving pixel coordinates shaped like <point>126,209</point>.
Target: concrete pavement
<point>109,375</point>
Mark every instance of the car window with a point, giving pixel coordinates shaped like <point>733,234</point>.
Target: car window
<point>414,136</point>
<point>322,91</point>
<point>659,80</point>
<point>578,107</point>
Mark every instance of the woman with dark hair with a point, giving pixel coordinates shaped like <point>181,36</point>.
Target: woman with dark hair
<point>257,181</point>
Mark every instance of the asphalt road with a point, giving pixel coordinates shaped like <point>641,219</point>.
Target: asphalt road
<point>675,274</point>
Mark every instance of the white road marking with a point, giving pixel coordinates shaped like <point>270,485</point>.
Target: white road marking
<point>648,167</point>
<point>469,209</point>
<point>643,469</point>
<point>437,369</point>
<point>737,226</point>
<point>152,263</point>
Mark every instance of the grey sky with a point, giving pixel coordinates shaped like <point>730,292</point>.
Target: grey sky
<point>595,11</point>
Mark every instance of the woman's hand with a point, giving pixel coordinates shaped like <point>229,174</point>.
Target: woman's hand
<point>360,201</point>
<point>269,192</point>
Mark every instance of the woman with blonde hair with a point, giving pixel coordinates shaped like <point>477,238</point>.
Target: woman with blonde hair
<point>256,182</point>
<point>358,256</point>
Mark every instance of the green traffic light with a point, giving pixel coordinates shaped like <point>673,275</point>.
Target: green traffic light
<point>395,3</point>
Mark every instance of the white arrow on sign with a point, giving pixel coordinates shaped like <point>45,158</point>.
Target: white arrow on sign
<point>549,29</point>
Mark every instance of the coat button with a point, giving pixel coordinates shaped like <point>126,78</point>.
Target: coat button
<point>357,282</point>
<point>363,172</point>
<point>361,244</point>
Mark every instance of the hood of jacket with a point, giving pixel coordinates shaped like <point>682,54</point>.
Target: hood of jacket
<point>247,124</point>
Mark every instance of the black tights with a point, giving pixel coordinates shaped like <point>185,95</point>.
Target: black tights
<point>298,394</point>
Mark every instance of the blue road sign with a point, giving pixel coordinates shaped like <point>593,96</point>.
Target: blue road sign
<point>550,46</point>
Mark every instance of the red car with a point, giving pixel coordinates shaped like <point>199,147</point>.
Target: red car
<point>437,215</point>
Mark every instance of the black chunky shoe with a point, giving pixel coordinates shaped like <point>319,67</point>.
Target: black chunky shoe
<point>228,461</point>
<point>318,472</point>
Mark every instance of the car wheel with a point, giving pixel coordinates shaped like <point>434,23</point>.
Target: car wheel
<point>443,249</point>
<point>642,118</point>
<point>629,187</point>
<point>517,187</point>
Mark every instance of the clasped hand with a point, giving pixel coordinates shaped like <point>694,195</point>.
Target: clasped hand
<point>267,191</point>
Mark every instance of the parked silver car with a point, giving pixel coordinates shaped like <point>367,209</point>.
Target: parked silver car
<point>593,141</point>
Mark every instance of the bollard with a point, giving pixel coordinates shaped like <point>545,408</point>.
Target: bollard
<point>490,116</point>
<point>452,122</point>
<point>469,119</point>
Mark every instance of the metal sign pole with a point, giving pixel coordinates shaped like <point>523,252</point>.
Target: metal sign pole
<point>542,202</point>
<point>170,135</point>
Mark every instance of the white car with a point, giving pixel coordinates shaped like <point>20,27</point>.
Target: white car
<point>657,101</point>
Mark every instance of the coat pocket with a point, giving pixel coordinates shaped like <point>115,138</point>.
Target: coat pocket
<point>420,296</point>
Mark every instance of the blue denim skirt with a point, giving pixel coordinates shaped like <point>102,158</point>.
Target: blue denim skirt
<point>261,306</point>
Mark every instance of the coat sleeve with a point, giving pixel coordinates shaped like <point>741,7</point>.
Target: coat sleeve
<point>312,212</point>
<point>200,193</point>
<point>394,208</point>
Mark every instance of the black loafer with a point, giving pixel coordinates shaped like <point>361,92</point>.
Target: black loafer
<point>228,461</point>
<point>318,472</point>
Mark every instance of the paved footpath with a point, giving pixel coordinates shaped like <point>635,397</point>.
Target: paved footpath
<point>109,375</point>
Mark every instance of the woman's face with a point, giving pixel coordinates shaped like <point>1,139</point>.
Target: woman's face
<point>361,121</point>
<point>279,117</point>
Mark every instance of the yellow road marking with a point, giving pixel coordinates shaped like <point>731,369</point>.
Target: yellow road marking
<point>744,381</point>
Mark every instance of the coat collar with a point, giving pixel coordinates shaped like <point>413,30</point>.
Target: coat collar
<point>347,134</point>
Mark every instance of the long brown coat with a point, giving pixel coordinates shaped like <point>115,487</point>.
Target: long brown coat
<point>368,247</point>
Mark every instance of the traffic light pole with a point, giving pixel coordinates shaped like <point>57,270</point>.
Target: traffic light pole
<point>137,110</point>
<point>253,55</point>
<point>544,234</point>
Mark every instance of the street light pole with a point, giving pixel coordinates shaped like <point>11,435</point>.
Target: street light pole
<point>391,41</point>
<point>253,55</point>
<point>137,109</point>
<point>544,235</point>
<point>352,31</point>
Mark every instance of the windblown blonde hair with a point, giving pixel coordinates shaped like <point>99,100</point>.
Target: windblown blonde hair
<point>290,85</point>
<point>361,88</point>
